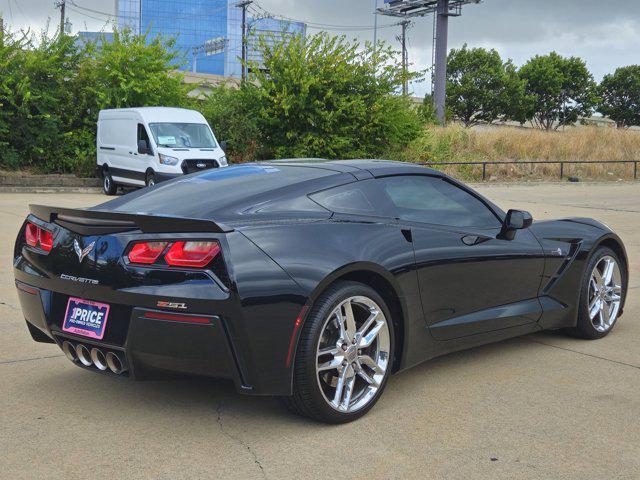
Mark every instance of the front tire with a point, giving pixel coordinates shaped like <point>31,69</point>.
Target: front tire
<point>150,179</point>
<point>344,355</point>
<point>602,294</point>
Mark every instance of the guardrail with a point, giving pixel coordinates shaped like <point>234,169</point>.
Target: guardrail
<point>562,163</point>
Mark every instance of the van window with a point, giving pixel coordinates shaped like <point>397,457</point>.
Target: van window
<point>143,135</point>
<point>182,135</point>
<point>118,131</point>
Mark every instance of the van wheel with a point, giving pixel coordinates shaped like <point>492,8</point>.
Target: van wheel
<point>150,181</point>
<point>109,187</point>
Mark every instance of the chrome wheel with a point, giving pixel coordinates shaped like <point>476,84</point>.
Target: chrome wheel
<point>107,183</point>
<point>352,354</point>
<point>605,293</point>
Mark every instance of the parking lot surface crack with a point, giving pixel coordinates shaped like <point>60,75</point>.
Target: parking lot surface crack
<point>585,354</point>
<point>239,441</point>
<point>20,360</point>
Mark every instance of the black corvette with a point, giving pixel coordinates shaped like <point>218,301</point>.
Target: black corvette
<point>308,280</point>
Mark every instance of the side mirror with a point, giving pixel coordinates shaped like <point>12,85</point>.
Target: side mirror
<point>515,220</point>
<point>143,148</point>
<point>223,145</point>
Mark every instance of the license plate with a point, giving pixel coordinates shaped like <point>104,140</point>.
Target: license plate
<point>86,318</point>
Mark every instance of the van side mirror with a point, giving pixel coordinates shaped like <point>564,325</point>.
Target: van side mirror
<point>143,148</point>
<point>223,145</point>
<point>515,220</point>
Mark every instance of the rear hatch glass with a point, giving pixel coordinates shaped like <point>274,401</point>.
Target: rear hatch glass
<point>201,194</point>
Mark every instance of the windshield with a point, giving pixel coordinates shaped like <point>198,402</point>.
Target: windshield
<point>182,135</point>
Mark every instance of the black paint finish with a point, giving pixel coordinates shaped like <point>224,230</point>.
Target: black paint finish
<point>448,287</point>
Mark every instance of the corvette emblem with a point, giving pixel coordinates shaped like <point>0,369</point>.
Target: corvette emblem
<point>80,252</point>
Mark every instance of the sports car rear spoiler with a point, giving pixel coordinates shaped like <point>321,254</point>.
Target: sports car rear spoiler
<point>104,220</point>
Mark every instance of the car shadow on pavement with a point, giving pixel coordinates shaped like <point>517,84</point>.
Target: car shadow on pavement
<point>200,397</point>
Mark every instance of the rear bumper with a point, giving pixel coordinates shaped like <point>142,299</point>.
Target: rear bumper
<point>151,347</point>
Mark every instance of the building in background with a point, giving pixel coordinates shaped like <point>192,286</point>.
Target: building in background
<point>212,27</point>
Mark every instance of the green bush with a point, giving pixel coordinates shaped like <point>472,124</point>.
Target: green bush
<point>230,112</point>
<point>318,96</point>
<point>322,96</point>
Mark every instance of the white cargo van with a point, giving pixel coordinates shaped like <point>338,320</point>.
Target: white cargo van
<point>139,147</point>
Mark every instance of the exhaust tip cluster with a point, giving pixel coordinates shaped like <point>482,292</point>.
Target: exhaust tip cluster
<point>96,357</point>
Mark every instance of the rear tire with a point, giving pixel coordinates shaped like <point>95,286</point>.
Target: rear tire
<point>109,187</point>
<point>602,292</point>
<point>340,373</point>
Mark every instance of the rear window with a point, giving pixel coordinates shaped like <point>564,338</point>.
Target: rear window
<point>196,195</point>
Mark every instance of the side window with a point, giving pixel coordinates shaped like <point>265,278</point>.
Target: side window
<point>359,198</point>
<point>142,135</point>
<point>433,200</point>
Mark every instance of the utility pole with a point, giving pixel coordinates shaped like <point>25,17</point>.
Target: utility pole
<point>375,24</point>
<point>62,5</point>
<point>405,56</point>
<point>244,6</point>
<point>440,75</point>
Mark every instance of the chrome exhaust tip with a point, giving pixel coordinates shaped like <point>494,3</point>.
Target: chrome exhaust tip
<point>70,351</point>
<point>115,364</point>
<point>98,359</point>
<point>84,355</point>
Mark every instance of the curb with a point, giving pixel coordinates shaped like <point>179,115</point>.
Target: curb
<point>46,189</point>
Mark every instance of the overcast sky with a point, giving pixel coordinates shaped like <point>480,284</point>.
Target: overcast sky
<point>605,34</point>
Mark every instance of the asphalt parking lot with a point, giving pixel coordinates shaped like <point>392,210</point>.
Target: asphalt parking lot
<point>541,406</point>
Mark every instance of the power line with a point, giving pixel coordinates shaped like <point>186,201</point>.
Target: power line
<point>325,26</point>
<point>87,15</point>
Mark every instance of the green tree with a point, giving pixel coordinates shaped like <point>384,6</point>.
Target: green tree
<point>562,89</point>
<point>481,88</point>
<point>36,90</point>
<point>232,116</point>
<point>322,96</point>
<point>619,94</point>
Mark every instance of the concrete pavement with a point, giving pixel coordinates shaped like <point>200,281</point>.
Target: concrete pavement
<point>541,406</point>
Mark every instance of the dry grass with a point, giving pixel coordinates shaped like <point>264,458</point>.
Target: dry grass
<point>456,144</point>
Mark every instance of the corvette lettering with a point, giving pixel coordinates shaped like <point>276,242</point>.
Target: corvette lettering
<point>64,276</point>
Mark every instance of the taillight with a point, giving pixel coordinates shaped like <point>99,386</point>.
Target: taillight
<point>192,254</point>
<point>38,237</point>
<point>46,240</point>
<point>146,252</point>
<point>31,233</point>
